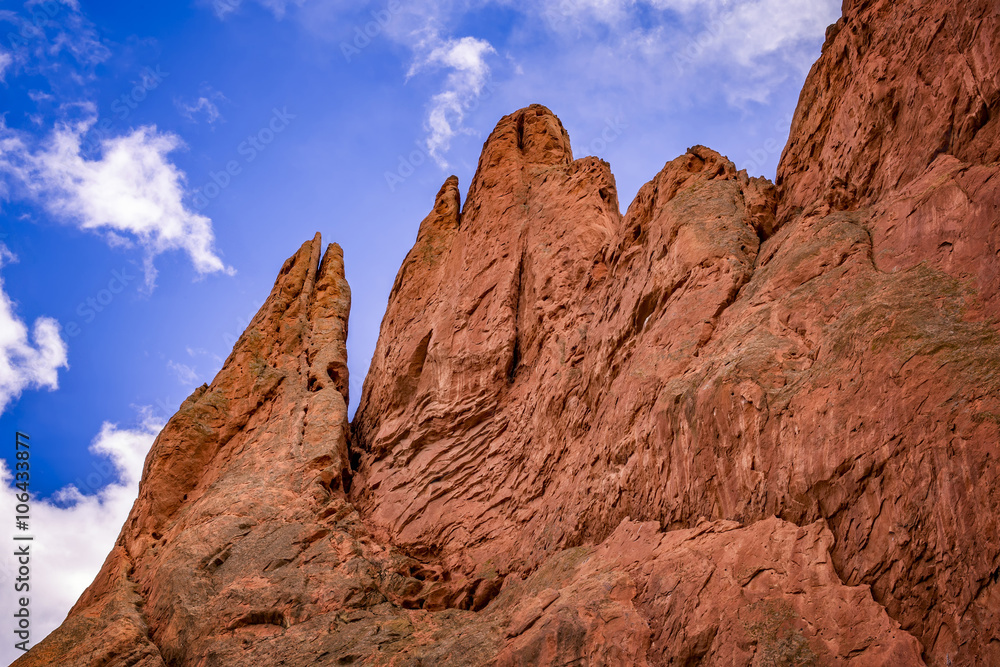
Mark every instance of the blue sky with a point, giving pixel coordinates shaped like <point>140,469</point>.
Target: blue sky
<point>159,161</point>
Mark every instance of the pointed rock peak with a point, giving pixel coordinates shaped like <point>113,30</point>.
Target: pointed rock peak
<point>332,265</point>
<point>447,204</point>
<point>303,319</point>
<point>329,307</point>
<point>298,272</point>
<point>446,213</point>
<point>307,270</point>
<point>533,134</point>
<point>434,236</point>
<point>331,274</point>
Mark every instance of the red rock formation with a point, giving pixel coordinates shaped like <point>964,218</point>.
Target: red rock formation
<point>568,319</point>
<point>840,369</point>
<point>219,544</point>
<point>740,424</point>
<point>242,548</point>
<point>899,116</point>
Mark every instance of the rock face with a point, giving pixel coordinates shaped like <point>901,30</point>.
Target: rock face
<point>743,423</point>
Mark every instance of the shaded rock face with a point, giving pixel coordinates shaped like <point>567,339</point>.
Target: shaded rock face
<point>740,424</point>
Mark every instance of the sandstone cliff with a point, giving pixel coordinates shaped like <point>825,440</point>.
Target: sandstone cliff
<point>742,423</point>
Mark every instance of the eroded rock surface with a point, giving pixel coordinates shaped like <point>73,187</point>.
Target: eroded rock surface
<point>740,424</point>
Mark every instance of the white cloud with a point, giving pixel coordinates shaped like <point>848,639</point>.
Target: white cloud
<point>755,29</point>
<point>761,42</point>
<point>44,30</point>
<point>560,14</point>
<point>72,4</point>
<point>468,76</point>
<point>224,8</point>
<point>132,193</point>
<point>204,107</point>
<point>75,530</point>
<point>185,374</point>
<point>745,50</point>
<point>687,6</point>
<point>26,362</point>
<point>663,54</point>
<point>39,96</point>
<point>418,27</point>
<point>747,31</point>
<point>6,60</point>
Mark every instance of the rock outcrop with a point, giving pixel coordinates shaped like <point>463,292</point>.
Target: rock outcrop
<point>742,423</point>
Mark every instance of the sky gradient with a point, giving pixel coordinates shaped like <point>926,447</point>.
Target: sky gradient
<point>160,161</point>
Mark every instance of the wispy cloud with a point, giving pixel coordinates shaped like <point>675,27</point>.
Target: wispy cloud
<point>75,530</point>
<point>742,48</point>
<point>416,26</point>
<point>760,42</point>
<point>6,60</point>
<point>205,107</point>
<point>185,374</point>
<point>563,14</point>
<point>468,73</point>
<point>747,31</point>
<point>132,194</point>
<point>224,8</point>
<point>663,52</point>
<point>26,362</point>
<point>756,29</point>
<point>200,107</point>
<point>41,34</point>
